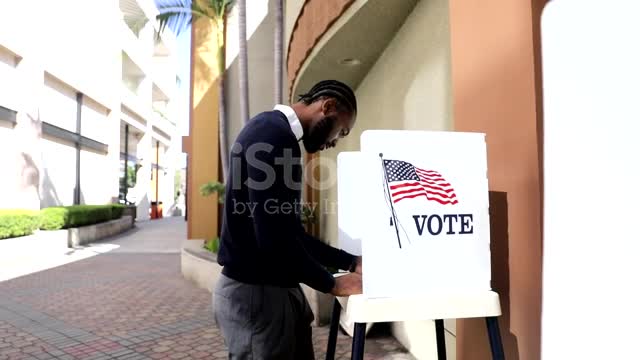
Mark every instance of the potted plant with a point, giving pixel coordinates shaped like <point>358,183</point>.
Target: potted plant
<point>213,188</point>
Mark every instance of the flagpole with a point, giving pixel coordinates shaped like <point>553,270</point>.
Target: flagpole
<point>388,192</point>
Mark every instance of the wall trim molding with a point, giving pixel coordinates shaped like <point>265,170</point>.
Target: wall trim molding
<point>8,115</point>
<point>302,45</point>
<point>64,134</point>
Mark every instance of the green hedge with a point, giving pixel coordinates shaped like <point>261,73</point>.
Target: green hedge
<point>116,211</point>
<point>64,217</point>
<point>18,223</point>
<point>213,245</point>
<point>24,222</point>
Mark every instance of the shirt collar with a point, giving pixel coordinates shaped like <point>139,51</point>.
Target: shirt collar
<point>294,122</point>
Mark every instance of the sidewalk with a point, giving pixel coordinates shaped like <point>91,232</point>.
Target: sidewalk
<point>130,302</point>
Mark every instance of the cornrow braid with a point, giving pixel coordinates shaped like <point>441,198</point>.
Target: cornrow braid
<point>333,89</point>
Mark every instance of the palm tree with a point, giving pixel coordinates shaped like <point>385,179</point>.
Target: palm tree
<point>242,61</point>
<point>179,15</point>
<point>279,50</point>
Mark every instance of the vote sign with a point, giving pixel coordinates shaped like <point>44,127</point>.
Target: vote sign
<point>417,204</point>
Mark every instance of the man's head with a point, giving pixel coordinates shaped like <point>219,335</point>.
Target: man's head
<point>327,113</point>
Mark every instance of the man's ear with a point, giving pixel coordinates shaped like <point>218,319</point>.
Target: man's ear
<point>329,105</point>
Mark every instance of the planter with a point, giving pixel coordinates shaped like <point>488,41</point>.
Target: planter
<point>59,241</point>
<point>88,234</point>
<point>130,210</point>
<point>199,265</point>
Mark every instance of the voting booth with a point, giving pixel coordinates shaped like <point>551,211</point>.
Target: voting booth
<point>415,205</point>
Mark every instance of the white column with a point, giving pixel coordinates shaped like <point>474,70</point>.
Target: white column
<point>143,176</point>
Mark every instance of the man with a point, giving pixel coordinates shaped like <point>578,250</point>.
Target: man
<point>265,253</point>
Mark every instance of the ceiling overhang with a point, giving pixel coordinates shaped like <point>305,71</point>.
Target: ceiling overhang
<point>352,45</point>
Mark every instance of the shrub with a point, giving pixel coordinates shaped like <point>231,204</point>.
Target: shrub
<point>116,211</point>
<point>53,218</point>
<point>18,223</point>
<point>213,187</point>
<point>213,245</point>
<point>81,215</point>
<point>64,217</point>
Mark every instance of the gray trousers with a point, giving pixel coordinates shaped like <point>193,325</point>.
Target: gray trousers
<point>261,322</point>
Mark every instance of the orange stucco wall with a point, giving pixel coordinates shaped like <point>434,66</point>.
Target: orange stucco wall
<point>202,142</point>
<point>496,90</point>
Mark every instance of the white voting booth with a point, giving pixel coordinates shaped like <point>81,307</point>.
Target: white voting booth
<point>415,204</point>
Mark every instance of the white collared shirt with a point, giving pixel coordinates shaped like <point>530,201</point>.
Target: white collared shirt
<point>294,122</point>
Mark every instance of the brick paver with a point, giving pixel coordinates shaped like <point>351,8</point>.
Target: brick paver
<point>125,305</point>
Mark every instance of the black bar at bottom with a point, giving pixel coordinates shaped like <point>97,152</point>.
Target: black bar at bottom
<point>333,330</point>
<point>441,346</point>
<point>357,349</point>
<point>495,340</point>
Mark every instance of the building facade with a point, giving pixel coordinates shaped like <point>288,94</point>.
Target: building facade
<point>86,105</point>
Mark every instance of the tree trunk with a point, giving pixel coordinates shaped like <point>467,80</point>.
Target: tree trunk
<point>222,128</point>
<point>222,109</point>
<point>279,51</point>
<point>242,61</point>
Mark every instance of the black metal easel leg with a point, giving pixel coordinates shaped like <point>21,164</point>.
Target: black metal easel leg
<point>333,330</point>
<point>357,349</point>
<point>442,349</point>
<point>495,340</point>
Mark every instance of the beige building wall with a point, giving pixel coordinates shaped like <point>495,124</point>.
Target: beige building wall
<point>408,88</point>
<point>260,50</point>
<point>47,58</point>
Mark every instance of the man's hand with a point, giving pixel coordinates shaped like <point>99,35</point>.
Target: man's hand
<point>349,284</point>
<point>359,265</point>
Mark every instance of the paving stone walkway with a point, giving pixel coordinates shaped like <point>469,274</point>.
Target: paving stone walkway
<point>126,305</point>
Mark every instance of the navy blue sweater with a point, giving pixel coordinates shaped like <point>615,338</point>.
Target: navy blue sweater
<point>262,240</point>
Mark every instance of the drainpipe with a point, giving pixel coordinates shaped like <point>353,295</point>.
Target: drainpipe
<point>76,193</point>
<point>157,175</point>
<point>126,162</point>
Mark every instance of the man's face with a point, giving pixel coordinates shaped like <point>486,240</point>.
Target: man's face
<point>328,126</point>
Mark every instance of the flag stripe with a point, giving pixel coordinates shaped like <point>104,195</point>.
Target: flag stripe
<point>428,171</point>
<point>412,187</point>
<point>397,193</point>
<point>435,183</point>
<point>443,202</point>
<point>421,184</point>
<point>410,197</point>
<point>430,176</point>
<point>414,183</point>
<point>447,190</point>
<point>451,196</point>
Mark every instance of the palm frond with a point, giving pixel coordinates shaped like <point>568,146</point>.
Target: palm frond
<point>220,7</point>
<point>178,15</point>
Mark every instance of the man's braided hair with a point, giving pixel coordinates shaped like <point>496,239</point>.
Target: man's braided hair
<point>332,89</point>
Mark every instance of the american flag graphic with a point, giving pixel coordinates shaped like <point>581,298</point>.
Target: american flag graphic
<point>407,181</point>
